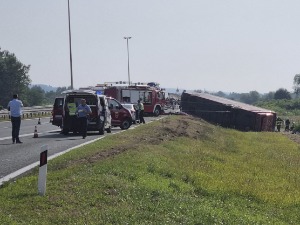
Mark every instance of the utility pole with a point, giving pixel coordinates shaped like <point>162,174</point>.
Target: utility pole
<point>127,38</point>
<point>70,46</point>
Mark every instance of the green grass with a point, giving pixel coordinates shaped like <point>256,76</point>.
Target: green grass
<point>176,171</point>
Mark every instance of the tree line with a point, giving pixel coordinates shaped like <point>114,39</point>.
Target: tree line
<point>253,96</point>
<point>14,78</point>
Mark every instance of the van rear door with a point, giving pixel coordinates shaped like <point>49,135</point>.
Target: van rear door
<point>57,111</point>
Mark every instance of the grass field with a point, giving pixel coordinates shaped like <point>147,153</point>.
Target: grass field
<point>179,170</point>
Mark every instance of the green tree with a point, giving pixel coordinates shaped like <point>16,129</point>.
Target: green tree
<point>282,93</point>
<point>220,94</point>
<point>250,98</point>
<point>13,76</point>
<point>36,96</point>
<point>297,84</point>
<point>269,96</point>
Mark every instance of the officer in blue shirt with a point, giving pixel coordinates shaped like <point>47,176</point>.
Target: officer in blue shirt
<point>83,110</point>
<point>15,108</point>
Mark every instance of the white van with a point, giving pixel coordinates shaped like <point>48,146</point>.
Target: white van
<point>100,120</point>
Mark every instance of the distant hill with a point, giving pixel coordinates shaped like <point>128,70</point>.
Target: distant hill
<point>46,88</point>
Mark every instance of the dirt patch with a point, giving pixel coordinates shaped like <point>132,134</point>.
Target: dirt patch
<point>293,137</point>
<point>168,129</point>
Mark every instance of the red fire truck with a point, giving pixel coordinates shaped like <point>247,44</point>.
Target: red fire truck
<point>153,97</point>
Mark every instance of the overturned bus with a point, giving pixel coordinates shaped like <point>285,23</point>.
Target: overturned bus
<point>228,113</point>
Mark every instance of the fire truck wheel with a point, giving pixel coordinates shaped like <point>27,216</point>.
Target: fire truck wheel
<point>125,124</point>
<point>156,111</point>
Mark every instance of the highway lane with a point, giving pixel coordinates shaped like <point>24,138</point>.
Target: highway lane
<point>14,157</point>
<point>27,127</point>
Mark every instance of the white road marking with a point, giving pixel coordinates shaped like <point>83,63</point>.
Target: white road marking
<point>31,134</point>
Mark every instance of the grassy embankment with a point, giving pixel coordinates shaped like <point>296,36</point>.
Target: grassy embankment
<point>179,170</point>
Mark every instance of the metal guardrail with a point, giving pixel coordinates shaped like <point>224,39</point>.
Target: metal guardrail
<point>29,112</point>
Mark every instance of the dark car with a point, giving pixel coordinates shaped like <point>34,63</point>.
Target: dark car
<point>57,111</point>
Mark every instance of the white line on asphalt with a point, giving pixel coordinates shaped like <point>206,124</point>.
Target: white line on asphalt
<point>26,135</point>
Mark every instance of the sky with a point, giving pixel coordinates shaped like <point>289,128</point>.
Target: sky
<point>213,45</point>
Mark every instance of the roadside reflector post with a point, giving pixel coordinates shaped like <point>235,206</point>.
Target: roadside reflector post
<point>43,170</point>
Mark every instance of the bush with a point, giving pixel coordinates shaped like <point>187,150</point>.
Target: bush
<point>296,128</point>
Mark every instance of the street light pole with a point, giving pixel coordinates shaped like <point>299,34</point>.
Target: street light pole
<point>70,46</point>
<point>127,38</point>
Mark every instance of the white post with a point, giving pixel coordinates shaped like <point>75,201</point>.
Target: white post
<point>43,170</point>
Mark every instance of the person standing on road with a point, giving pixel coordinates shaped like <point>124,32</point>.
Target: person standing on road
<point>15,108</point>
<point>141,111</point>
<point>83,110</point>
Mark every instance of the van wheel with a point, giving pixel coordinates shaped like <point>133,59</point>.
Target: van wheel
<point>125,124</point>
<point>65,131</point>
<point>156,111</point>
<point>101,131</point>
<point>108,130</point>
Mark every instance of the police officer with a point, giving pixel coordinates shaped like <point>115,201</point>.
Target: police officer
<point>141,111</point>
<point>15,108</point>
<point>83,110</point>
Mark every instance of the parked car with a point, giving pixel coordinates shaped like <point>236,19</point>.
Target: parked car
<point>100,120</point>
<point>121,117</point>
<point>132,110</point>
<point>57,111</point>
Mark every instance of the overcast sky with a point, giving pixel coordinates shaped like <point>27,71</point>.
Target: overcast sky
<point>213,45</point>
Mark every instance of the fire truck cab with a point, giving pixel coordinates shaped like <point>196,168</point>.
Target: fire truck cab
<point>152,98</point>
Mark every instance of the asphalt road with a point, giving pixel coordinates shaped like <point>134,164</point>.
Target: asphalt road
<point>15,157</point>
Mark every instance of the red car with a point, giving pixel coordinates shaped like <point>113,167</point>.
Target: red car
<point>120,116</point>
